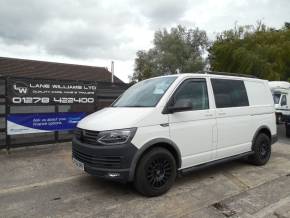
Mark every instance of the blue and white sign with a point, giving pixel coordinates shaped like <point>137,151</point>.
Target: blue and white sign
<point>45,122</point>
<point>45,92</point>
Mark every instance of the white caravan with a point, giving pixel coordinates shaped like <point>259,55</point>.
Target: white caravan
<point>175,124</point>
<point>281,95</point>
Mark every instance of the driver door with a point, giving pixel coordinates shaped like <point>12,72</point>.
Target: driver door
<point>193,130</point>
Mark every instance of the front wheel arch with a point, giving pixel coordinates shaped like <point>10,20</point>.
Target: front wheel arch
<point>162,142</point>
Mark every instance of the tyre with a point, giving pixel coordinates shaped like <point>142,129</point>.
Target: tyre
<point>262,150</point>
<point>155,173</point>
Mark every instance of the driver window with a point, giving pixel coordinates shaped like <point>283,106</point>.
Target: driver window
<point>195,91</point>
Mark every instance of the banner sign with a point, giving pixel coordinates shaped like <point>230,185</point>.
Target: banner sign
<point>45,122</point>
<point>36,91</point>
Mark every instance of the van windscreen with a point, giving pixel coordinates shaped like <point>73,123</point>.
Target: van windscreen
<point>146,93</point>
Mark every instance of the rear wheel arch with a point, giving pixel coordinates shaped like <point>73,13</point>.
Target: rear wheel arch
<point>160,142</point>
<point>262,129</point>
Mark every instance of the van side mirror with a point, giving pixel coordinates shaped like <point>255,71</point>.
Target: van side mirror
<point>180,105</point>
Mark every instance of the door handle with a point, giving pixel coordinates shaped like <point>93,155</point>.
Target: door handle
<point>208,115</point>
<point>221,113</point>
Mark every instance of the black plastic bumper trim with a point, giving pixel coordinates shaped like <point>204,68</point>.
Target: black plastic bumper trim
<point>94,159</point>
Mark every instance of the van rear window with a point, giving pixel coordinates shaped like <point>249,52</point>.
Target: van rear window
<point>229,93</point>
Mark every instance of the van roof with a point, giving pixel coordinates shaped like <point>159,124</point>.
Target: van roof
<point>216,75</point>
<point>279,85</point>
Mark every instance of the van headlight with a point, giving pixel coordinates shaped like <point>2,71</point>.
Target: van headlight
<point>116,137</point>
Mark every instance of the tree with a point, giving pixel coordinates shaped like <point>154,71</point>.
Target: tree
<point>177,50</point>
<point>256,50</point>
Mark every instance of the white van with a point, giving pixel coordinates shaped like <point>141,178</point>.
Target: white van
<point>174,124</point>
<point>281,95</point>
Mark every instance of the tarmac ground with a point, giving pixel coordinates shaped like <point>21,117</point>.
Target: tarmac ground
<point>42,182</point>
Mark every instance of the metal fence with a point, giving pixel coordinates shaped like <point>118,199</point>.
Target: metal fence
<point>20,96</point>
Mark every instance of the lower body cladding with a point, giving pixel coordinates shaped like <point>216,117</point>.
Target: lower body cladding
<point>157,168</point>
<point>108,162</point>
<point>117,162</point>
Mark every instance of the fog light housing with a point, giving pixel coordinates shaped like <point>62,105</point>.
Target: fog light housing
<point>113,175</point>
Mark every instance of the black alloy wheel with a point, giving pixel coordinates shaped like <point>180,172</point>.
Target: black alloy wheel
<point>155,173</point>
<point>265,150</point>
<point>158,172</point>
<point>261,149</point>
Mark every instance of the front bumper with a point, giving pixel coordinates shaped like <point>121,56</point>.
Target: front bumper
<point>108,162</point>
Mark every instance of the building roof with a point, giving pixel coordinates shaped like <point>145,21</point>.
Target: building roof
<point>50,70</point>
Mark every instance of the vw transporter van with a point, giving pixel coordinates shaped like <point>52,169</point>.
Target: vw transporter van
<point>171,125</point>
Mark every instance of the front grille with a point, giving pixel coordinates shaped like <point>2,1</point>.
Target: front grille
<point>87,136</point>
<point>109,162</point>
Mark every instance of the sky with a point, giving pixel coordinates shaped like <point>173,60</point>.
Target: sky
<point>96,32</point>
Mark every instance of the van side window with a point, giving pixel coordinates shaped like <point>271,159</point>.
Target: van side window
<point>229,93</point>
<point>195,91</point>
<point>283,100</point>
